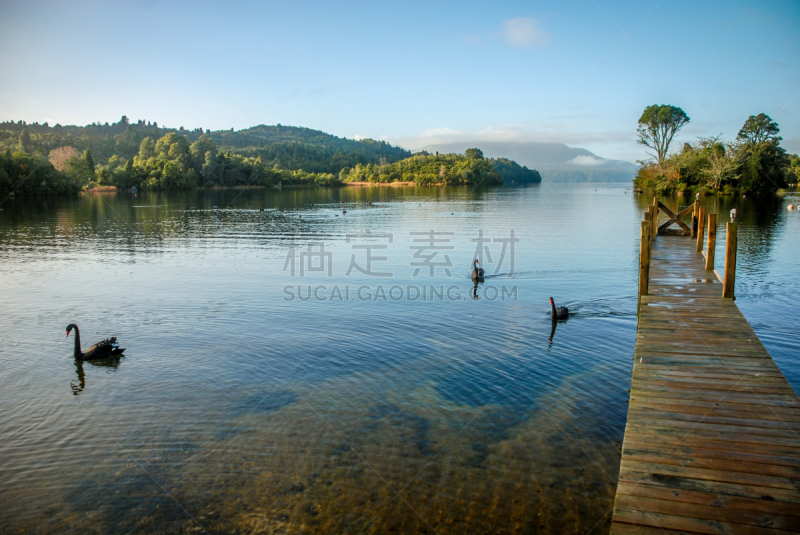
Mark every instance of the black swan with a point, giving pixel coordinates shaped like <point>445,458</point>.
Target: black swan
<point>477,272</point>
<point>101,350</point>
<point>560,313</point>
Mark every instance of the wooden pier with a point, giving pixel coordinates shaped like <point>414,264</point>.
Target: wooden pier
<point>712,442</point>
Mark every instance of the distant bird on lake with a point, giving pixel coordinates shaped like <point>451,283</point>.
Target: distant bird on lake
<point>560,313</point>
<point>101,350</point>
<point>791,207</point>
<point>477,272</point>
<point>344,212</point>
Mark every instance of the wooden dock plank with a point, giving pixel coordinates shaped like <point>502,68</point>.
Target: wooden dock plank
<point>712,441</point>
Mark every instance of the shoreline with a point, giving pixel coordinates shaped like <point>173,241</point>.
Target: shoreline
<point>383,184</point>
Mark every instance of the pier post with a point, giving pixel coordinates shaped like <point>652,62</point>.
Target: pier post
<point>644,257</point>
<point>655,218</point>
<point>701,223</point>
<point>730,262</point>
<point>694,220</point>
<point>712,241</point>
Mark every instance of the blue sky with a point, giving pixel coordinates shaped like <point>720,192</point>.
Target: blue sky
<point>412,72</point>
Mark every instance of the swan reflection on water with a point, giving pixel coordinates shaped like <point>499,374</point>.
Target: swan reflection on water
<point>77,388</point>
<point>475,292</point>
<point>553,330</point>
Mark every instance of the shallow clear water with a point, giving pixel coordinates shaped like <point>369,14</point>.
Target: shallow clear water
<point>256,400</point>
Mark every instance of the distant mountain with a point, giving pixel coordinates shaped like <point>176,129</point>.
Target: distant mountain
<point>556,162</point>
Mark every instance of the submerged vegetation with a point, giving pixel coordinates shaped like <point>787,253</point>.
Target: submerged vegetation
<point>753,163</point>
<point>39,159</point>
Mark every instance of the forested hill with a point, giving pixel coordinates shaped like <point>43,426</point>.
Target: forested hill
<point>42,160</point>
<point>280,147</point>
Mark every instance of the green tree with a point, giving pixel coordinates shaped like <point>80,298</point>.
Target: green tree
<point>25,142</point>
<point>720,168</point>
<point>147,149</point>
<point>198,150</point>
<point>658,126</point>
<point>90,166</point>
<point>764,163</point>
<point>474,154</point>
<point>209,169</point>
<point>764,167</point>
<point>794,169</point>
<point>758,128</point>
<point>81,169</point>
<point>24,175</point>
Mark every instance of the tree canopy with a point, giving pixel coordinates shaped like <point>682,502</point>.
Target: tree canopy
<point>759,128</point>
<point>474,154</point>
<point>424,168</point>
<point>658,126</point>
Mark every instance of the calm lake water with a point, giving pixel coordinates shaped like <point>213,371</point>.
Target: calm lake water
<point>277,381</point>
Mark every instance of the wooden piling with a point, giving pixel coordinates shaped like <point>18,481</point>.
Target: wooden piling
<point>701,223</point>
<point>644,257</point>
<point>712,241</point>
<point>730,262</point>
<point>655,218</point>
<point>694,220</point>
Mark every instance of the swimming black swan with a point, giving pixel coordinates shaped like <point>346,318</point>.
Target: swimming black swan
<point>101,350</point>
<point>477,272</point>
<point>560,313</point>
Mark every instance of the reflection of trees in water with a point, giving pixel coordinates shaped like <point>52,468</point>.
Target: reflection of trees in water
<point>149,219</point>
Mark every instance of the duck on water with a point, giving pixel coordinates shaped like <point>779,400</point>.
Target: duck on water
<point>101,350</point>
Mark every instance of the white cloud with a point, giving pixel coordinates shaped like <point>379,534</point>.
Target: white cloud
<point>522,32</point>
<point>359,137</point>
<point>586,160</point>
<point>519,32</point>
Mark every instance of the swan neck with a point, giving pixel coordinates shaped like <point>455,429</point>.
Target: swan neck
<point>553,307</point>
<point>77,351</point>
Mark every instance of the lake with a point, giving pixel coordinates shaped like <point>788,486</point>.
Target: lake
<point>292,368</point>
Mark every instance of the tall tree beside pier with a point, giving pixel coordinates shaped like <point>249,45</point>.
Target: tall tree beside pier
<point>658,126</point>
